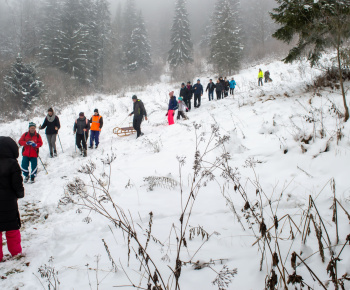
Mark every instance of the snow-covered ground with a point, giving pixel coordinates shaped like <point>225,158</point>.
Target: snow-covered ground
<point>265,125</point>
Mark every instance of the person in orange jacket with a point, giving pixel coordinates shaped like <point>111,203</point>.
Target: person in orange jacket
<point>96,122</point>
<point>31,142</point>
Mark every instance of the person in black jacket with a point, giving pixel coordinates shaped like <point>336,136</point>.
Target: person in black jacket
<point>52,125</point>
<point>210,88</point>
<point>198,93</point>
<point>81,129</point>
<point>139,112</point>
<point>189,93</point>
<point>219,89</point>
<point>11,189</point>
<point>183,93</point>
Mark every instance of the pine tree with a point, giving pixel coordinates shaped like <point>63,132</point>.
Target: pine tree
<point>117,41</point>
<point>139,52</point>
<point>50,25</point>
<point>73,40</point>
<point>181,51</point>
<point>99,38</point>
<point>136,47</point>
<point>225,45</point>
<point>318,25</point>
<point>22,83</point>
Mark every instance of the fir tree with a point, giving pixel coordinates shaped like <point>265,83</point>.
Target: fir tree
<point>22,83</point>
<point>100,38</point>
<point>225,45</point>
<point>73,40</point>
<point>181,45</point>
<point>117,41</point>
<point>136,47</point>
<point>139,52</point>
<point>50,24</point>
<point>318,25</point>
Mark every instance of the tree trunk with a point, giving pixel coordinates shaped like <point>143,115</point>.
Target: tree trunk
<point>346,115</point>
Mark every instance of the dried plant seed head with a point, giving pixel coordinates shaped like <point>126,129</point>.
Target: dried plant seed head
<point>275,259</point>
<point>293,260</point>
<point>275,219</point>
<point>247,206</point>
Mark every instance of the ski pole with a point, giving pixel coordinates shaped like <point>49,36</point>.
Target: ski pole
<point>42,164</point>
<point>59,139</point>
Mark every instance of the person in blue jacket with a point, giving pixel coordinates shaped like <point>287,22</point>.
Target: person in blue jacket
<point>198,93</point>
<point>232,86</point>
<point>173,106</point>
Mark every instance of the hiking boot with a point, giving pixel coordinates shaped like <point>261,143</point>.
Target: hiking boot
<point>26,179</point>
<point>32,179</point>
<point>51,155</point>
<point>91,147</point>
<point>55,154</point>
<point>96,147</point>
<point>84,153</point>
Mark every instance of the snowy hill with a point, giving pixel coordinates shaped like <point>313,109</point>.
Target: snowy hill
<point>283,140</point>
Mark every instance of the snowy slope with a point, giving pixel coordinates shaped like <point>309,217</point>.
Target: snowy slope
<point>264,124</point>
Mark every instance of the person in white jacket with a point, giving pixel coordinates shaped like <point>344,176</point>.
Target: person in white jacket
<point>182,109</point>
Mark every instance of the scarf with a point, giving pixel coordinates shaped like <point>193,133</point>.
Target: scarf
<point>52,118</point>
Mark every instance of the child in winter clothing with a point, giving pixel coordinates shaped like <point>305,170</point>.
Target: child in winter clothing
<point>31,141</point>
<point>182,109</point>
<point>10,191</point>
<point>172,108</point>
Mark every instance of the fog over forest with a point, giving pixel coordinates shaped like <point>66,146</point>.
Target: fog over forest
<point>75,47</point>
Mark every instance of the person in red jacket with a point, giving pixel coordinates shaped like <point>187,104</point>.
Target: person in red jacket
<point>31,141</point>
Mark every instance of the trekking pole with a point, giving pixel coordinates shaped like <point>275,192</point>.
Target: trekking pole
<point>59,139</point>
<point>42,164</point>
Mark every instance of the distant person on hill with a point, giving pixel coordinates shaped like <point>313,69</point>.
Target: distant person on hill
<point>227,86</point>
<point>52,125</point>
<point>210,88</point>
<point>232,86</point>
<point>222,82</point>
<point>31,142</point>
<point>198,93</point>
<point>267,77</point>
<point>260,77</point>
<point>173,106</point>
<point>183,93</point>
<point>182,109</point>
<point>139,113</point>
<point>11,190</point>
<point>189,93</point>
<point>81,131</point>
<point>219,89</point>
<point>96,122</point>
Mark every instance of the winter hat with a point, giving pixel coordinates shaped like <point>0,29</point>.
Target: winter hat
<point>134,97</point>
<point>171,93</point>
<point>182,84</point>
<point>189,82</point>
<point>50,110</point>
<point>81,114</point>
<point>198,80</point>
<point>96,111</point>
<point>32,124</point>
<point>180,99</point>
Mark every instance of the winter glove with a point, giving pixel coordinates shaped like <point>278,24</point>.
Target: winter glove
<point>33,144</point>
<point>29,143</point>
<point>173,114</point>
<point>186,110</point>
<point>166,114</point>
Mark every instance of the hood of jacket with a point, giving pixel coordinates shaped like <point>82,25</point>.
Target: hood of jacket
<point>8,148</point>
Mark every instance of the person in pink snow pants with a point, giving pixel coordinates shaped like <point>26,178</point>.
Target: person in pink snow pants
<point>173,106</point>
<point>11,189</point>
